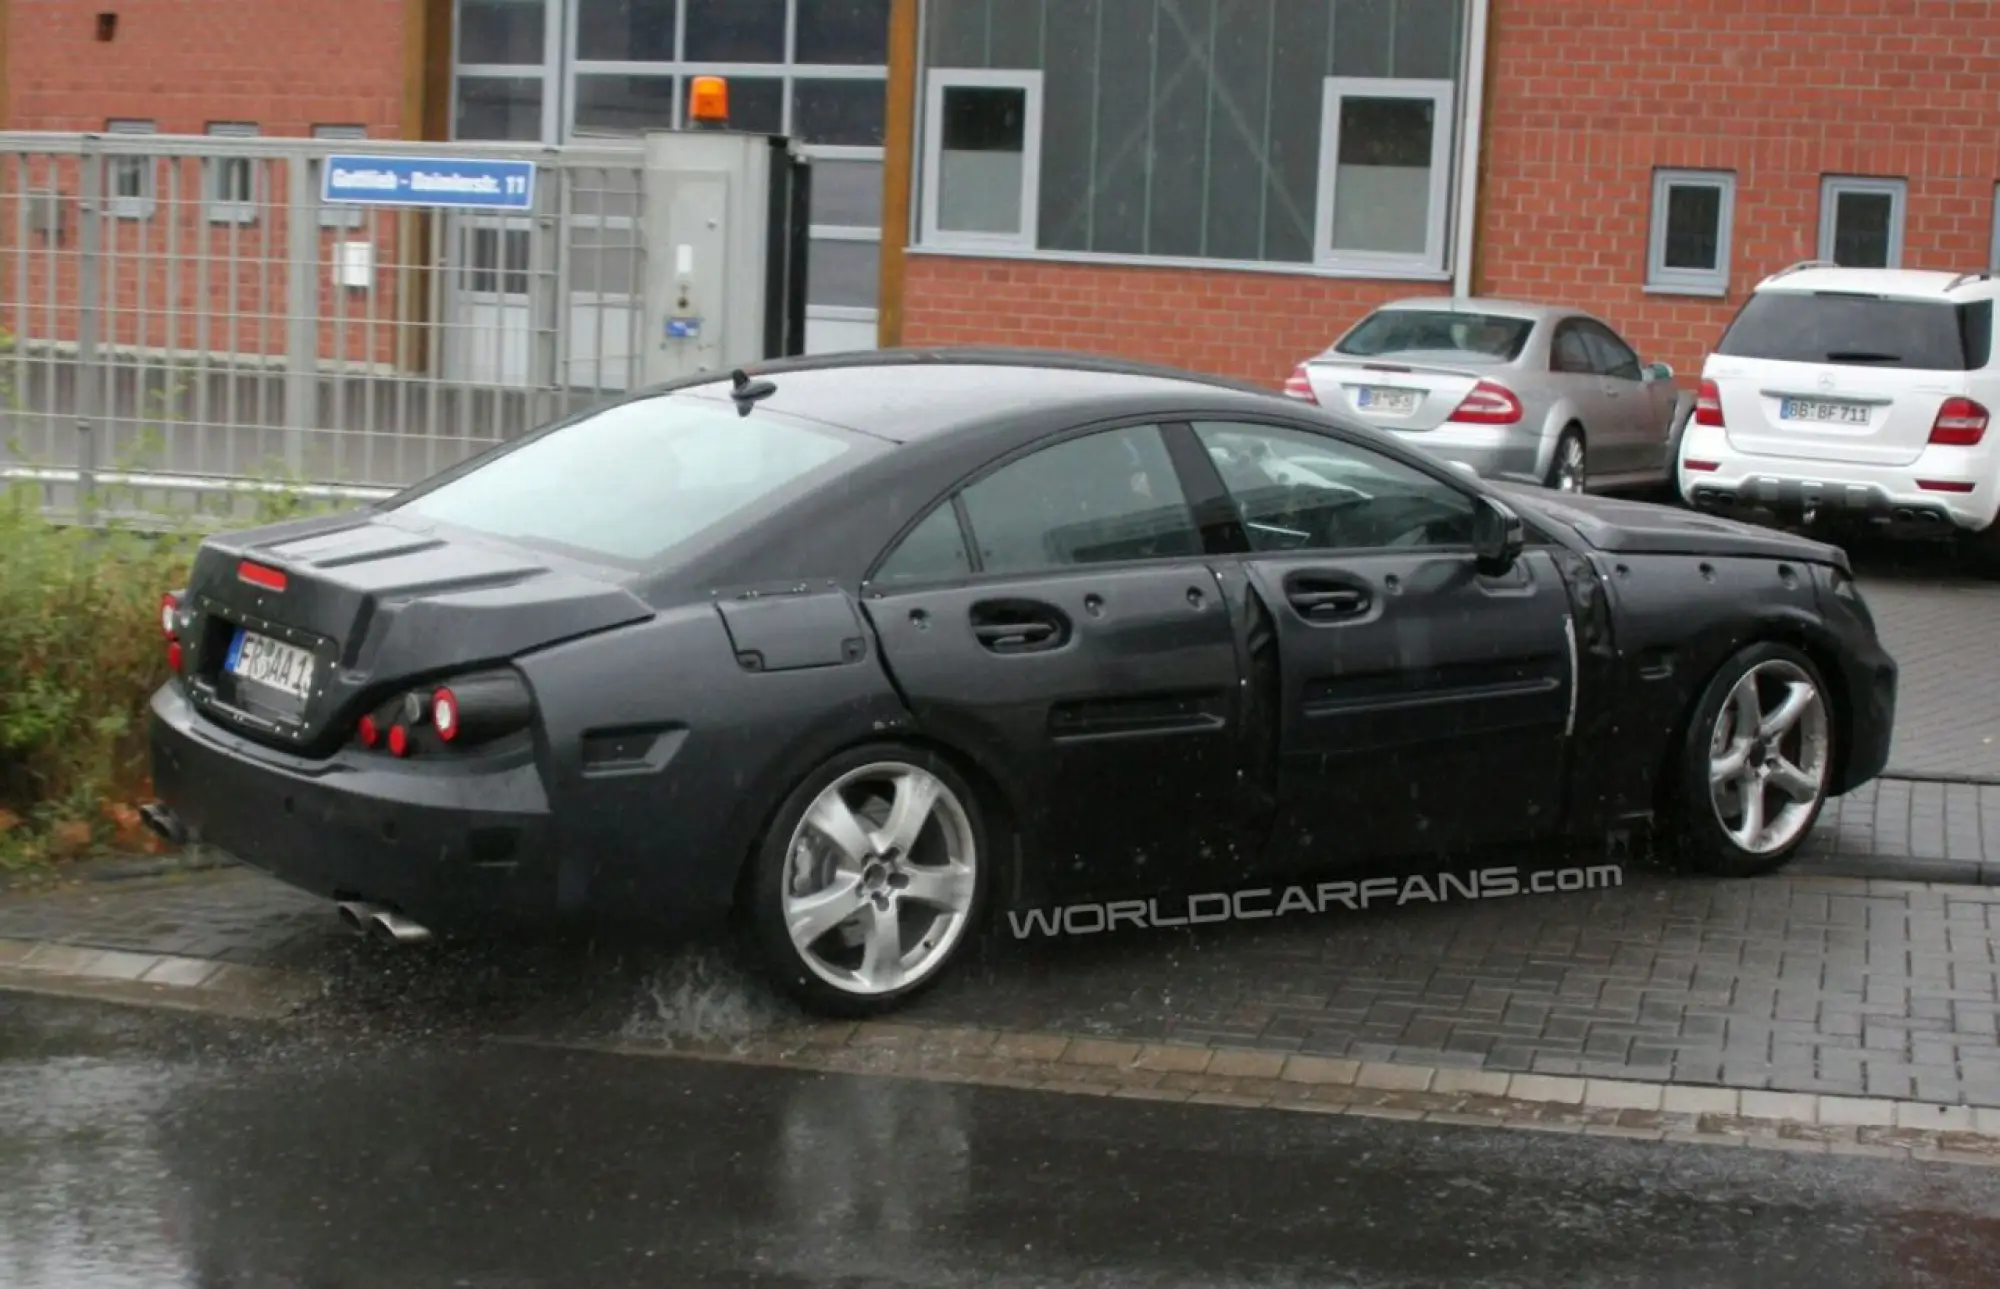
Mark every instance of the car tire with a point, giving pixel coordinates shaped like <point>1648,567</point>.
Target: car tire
<point>1775,748</point>
<point>881,905</point>
<point>1569,468</point>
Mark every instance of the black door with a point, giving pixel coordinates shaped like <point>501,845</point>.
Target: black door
<point>1085,650</point>
<point>1424,708</point>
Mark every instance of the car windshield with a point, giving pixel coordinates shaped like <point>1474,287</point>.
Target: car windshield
<point>1485,337</point>
<point>635,480</point>
<point>1861,331</point>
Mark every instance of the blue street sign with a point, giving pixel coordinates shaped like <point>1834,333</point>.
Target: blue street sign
<point>464,183</point>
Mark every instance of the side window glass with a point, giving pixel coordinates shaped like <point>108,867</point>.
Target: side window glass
<point>1569,354</point>
<point>1614,357</point>
<point>1301,491</point>
<point>1107,496</point>
<point>933,551</point>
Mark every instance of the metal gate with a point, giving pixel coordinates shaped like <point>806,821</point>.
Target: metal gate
<point>183,315</point>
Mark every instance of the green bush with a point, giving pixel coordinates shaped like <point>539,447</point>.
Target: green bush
<point>80,654</point>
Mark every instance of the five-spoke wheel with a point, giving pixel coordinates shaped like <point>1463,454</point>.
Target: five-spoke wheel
<point>1758,761</point>
<point>870,881</point>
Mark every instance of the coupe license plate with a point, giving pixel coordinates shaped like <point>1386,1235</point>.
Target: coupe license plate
<point>1820,412</point>
<point>273,663</point>
<point>1389,402</point>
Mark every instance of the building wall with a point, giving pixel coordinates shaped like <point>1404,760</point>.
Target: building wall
<point>184,63</point>
<point>1250,325</point>
<point>1589,96</point>
<point>1222,184</point>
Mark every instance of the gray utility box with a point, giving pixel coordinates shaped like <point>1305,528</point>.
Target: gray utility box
<point>726,223</point>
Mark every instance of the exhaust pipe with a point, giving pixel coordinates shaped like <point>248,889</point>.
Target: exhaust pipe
<point>386,925</point>
<point>164,823</point>
<point>399,929</point>
<point>356,916</point>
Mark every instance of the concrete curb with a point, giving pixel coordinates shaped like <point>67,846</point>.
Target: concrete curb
<point>113,868</point>
<point>1254,1079</point>
<point>152,979</point>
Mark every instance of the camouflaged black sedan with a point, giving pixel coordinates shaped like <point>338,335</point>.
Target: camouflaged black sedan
<point>860,649</point>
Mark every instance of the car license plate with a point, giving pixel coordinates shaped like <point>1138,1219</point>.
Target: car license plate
<point>1390,402</point>
<point>1821,412</point>
<point>264,661</point>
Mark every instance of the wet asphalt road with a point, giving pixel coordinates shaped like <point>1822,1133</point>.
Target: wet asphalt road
<point>158,1150</point>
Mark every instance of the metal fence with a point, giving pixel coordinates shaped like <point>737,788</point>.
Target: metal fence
<point>183,320</point>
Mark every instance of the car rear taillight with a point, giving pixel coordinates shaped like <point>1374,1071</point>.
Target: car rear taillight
<point>170,627</point>
<point>1489,403</point>
<point>444,714</point>
<point>1960,423</point>
<point>470,710</point>
<point>1708,406</point>
<point>1299,385</point>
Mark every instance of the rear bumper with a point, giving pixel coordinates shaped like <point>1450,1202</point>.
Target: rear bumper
<point>438,843</point>
<point>1492,451</point>
<point>1892,497</point>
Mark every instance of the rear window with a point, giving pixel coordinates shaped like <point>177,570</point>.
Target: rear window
<point>1861,331</point>
<point>1490,336</point>
<point>635,480</point>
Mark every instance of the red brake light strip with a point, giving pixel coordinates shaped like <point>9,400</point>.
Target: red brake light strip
<point>270,579</point>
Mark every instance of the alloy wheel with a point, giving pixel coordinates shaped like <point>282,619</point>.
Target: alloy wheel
<point>880,878</point>
<point>1570,466</point>
<point>1768,757</point>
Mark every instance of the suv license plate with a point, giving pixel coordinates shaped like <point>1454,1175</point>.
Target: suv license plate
<point>1390,402</point>
<point>264,661</point>
<point>1821,412</point>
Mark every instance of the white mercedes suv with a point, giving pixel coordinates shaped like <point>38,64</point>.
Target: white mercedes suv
<point>1854,394</point>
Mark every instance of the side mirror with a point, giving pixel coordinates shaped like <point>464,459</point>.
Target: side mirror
<point>1659,371</point>
<point>1498,535</point>
<point>1463,468</point>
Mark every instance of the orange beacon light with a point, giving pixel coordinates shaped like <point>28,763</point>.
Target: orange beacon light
<point>708,103</point>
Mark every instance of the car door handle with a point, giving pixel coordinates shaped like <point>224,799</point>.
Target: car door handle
<point>1018,627</point>
<point>1321,603</point>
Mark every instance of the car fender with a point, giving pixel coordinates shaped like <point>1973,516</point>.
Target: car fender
<point>639,722</point>
<point>1561,413</point>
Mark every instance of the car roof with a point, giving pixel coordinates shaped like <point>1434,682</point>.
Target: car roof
<point>1522,309</point>
<point>1932,284</point>
<point>902,395</point>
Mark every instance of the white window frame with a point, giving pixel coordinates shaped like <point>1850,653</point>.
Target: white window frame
<point>944,79</point>
<point>223,209</point>
<point>1336,91</point>
<point>1993,256</point>
<point>340,216</point>
<point>142,206</point>
<point>1830,189</point>
<point>1685,281</point>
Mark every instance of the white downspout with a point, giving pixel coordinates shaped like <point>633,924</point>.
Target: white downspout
<point>1467,221</point>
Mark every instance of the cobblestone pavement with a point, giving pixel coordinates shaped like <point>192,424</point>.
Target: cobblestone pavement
<point>1912,829</point>
<point>1798,983</point>
<point>1942,633</point>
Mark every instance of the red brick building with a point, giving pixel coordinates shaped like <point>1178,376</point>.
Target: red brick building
<point>1223,184</point>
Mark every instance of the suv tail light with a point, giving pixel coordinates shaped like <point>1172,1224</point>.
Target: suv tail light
<point>1299,385</point>
<point>1708,406</point>
<point>1489,403</point>
<point>1960,423</point>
